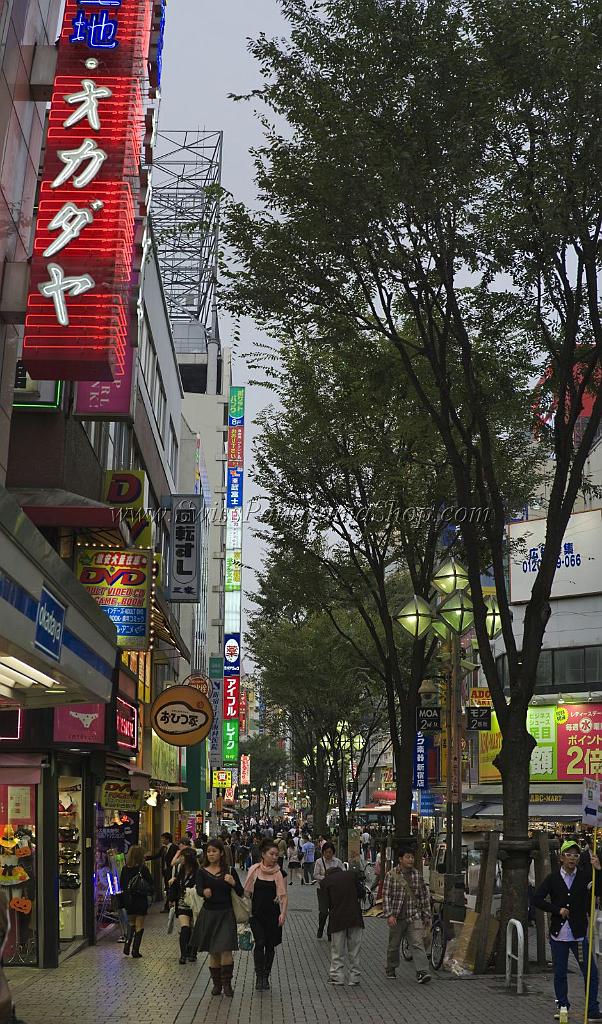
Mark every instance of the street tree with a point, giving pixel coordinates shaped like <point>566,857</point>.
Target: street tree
<point>268,765</point>
<point>438,183</point>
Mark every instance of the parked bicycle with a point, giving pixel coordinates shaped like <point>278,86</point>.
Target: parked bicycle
<point>436,954</point>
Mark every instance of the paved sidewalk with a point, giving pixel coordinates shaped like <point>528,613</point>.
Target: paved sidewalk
<point>101,985</point>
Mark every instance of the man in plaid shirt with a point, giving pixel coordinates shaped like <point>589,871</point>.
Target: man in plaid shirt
<point>407,908</point>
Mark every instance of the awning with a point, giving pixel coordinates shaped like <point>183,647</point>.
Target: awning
<point>385,795</point>
<point>139,781</point>
<point>99,523</point>
<point>165,626</point>
<point>565,811</point>
<point>21,769</point>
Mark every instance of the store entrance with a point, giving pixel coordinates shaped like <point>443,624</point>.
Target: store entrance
<point>71,908</point>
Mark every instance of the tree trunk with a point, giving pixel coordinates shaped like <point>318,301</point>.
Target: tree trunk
<point>513,763</point>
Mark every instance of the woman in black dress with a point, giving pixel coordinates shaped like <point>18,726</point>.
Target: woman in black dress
<point>136,886</point>
<point>266,886</point>
<point>215,929</point>
<point>186,878</point>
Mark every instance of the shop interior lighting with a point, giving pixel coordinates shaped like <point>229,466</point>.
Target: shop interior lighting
<point>24,676</point>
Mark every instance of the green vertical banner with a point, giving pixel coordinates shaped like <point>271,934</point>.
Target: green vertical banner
<point>230,741</point>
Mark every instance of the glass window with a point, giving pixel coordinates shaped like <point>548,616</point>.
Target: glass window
<point>593,664</point>
<point>568,667</point>
<point>543,678</point>
<point>18,867</point>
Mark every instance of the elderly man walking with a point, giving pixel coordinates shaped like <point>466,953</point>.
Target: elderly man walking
<point>342,890</point>
<point>407,909</point>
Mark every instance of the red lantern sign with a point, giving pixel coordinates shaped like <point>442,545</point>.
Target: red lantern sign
<point>79,312</point>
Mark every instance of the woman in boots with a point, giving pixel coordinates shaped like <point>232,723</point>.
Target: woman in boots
<point>266,886</point>
<point>186,878</point>
<point>215,929</point>
<point>136,886</point>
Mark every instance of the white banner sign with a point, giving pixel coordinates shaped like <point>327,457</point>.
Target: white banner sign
<point>579,565</point>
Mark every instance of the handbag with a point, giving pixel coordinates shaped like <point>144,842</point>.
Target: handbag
<point>171,917</point>
<point>194,901</point>
<point>241,905</point>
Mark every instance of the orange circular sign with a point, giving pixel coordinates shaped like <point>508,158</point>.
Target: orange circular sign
<point>182,716</point>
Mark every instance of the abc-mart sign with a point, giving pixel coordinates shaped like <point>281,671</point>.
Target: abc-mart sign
<point>81,304</point>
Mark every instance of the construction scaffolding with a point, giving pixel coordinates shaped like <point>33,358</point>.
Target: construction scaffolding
<point>187,170</point>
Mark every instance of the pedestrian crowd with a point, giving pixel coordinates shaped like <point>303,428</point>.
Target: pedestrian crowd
<point>231,892</point>
<point>219,911</point>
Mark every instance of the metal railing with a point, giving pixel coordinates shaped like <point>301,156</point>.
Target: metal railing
<point>518,956</point>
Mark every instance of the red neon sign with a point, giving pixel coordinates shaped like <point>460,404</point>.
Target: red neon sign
<point>81,306</point>
<point>127,724</point>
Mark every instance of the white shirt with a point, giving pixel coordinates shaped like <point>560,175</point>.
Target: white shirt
<point>366,838</point>
<point>565,934</point>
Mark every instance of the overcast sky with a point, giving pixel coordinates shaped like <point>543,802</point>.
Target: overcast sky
<point>205,59</point>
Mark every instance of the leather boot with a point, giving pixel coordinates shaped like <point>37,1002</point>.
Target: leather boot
<point>128,940</point>
<point>216,977</point>
<point>184,939</point>
<point>227,972</point>
<point>259,958</point>
<point>269,960</point>
<point>136,954</point>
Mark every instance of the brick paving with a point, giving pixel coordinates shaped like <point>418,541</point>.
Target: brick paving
<point>101,985</point>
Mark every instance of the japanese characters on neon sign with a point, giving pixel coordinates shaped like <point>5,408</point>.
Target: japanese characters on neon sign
<point>231,697</point>
<point>81,305</point>
<point>231,708</point>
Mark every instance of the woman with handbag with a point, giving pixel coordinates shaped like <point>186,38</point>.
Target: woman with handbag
<point>215,929</point>
<point>136,886</point>
<point>266,886</point>
<point>185,878</point>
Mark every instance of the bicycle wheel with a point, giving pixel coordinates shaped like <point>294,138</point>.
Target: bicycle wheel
<point>367,901</point>
<point>438,944</point>
<point>405,949</point>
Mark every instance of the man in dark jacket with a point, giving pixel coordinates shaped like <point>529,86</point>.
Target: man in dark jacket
<point>165,854</point>
<point>343,892</point>
<point>566,895</point>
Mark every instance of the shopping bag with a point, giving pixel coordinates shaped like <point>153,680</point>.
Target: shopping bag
<point>171,918</point>
<point>194,901</point>
<point>245,938</point>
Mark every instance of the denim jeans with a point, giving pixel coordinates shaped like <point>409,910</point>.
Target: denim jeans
<point>560,959</point>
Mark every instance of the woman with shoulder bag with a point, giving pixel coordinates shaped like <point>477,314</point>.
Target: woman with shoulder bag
<point>186,878</point>
<point>269,901</point>
<point>215,930</point>
<point>136,886</point>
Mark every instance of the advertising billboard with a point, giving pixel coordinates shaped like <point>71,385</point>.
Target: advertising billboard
<point>184,579</point>
<point>569,744</point>
<point>578,565</point>
<point>120,582</point>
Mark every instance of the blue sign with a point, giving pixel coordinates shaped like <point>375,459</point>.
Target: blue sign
<point>99,31</point>
<point>129,622</point>
<point>50,623</point>
<point>234,488</point>
<point>232,654</point>
<point>430,803</point>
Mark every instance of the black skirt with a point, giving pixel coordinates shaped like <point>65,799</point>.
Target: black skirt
<point>215,931</point>
<point>264,914</point>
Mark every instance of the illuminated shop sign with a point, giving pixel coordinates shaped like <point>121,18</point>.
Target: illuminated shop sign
<point>127,724</point>
<point>81,310</point>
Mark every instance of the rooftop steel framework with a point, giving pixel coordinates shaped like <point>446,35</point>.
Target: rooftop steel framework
<point>187,171</point>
